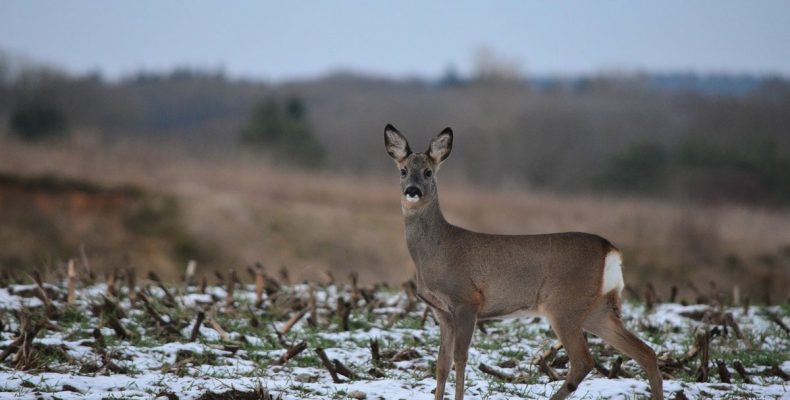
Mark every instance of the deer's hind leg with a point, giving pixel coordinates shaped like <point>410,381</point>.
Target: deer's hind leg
<point>571,335</point>
<point>605,323</point>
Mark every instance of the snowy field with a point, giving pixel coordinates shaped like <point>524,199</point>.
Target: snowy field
<point>108,347</point>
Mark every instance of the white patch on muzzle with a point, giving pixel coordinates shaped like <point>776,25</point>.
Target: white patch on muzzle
<point>412,198</point>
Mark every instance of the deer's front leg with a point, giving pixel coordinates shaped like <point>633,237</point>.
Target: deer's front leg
<point>445,351</point>
<point>464,321</point>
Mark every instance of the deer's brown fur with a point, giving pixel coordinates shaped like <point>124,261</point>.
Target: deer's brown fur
<point>467,276</point>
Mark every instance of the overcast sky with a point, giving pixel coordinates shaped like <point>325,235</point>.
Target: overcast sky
<point>298,39</point>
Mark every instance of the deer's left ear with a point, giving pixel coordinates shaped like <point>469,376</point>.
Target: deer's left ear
<point>441,146</point>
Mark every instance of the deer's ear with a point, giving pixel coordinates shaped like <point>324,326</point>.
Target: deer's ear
<point>441,146</point>
<point>397,146</point>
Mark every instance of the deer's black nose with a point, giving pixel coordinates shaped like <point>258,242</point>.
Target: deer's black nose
<point>413,191</point>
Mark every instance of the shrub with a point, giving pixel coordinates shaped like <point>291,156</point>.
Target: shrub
<point>37,120</point>
<point>641,168</point>
<point>749,170</point>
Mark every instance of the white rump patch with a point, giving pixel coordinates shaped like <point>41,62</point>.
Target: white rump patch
<point>612,272</point>
<point>412,198</point>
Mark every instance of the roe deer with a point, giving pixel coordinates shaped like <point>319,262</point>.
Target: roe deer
<point>573,279</point>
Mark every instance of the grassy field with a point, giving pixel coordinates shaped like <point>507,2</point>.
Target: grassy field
<point>114,340</point>
<point>235,210</point>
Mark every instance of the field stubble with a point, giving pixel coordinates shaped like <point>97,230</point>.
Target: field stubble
<point>142,338</point>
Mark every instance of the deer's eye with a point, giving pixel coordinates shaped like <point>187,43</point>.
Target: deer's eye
<point>428,173</point>
<point>403,172</point>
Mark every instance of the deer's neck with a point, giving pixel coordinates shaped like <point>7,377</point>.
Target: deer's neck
<point>426,232</point>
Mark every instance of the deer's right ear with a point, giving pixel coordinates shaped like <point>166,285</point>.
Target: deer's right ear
<point>397,146</point>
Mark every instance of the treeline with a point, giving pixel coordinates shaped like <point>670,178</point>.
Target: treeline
<point>620,133</point>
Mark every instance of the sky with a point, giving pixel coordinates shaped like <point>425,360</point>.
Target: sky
<point>285,40</point>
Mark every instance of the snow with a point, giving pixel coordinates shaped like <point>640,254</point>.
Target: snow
<point>13,302</point>
<point>153,366</point>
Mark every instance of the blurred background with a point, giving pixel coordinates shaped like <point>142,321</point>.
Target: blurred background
<point>146,134</point>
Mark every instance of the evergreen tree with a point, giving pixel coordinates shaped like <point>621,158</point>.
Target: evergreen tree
<point>283,131</point>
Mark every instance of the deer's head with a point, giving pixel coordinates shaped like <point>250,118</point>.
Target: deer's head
<point>417,170</point>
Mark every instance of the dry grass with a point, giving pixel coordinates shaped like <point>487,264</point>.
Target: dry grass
<point>313,222</point>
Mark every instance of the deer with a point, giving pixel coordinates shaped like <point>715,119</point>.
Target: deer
<point>572,279</point>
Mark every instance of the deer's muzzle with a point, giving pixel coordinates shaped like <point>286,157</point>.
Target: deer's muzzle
<point>413,194</point>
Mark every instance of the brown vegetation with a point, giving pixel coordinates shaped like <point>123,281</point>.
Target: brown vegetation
<point>245,210</point>
<point>47,218</point>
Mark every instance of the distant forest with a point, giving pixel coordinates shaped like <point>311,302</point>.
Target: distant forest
<point>706,138</point>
